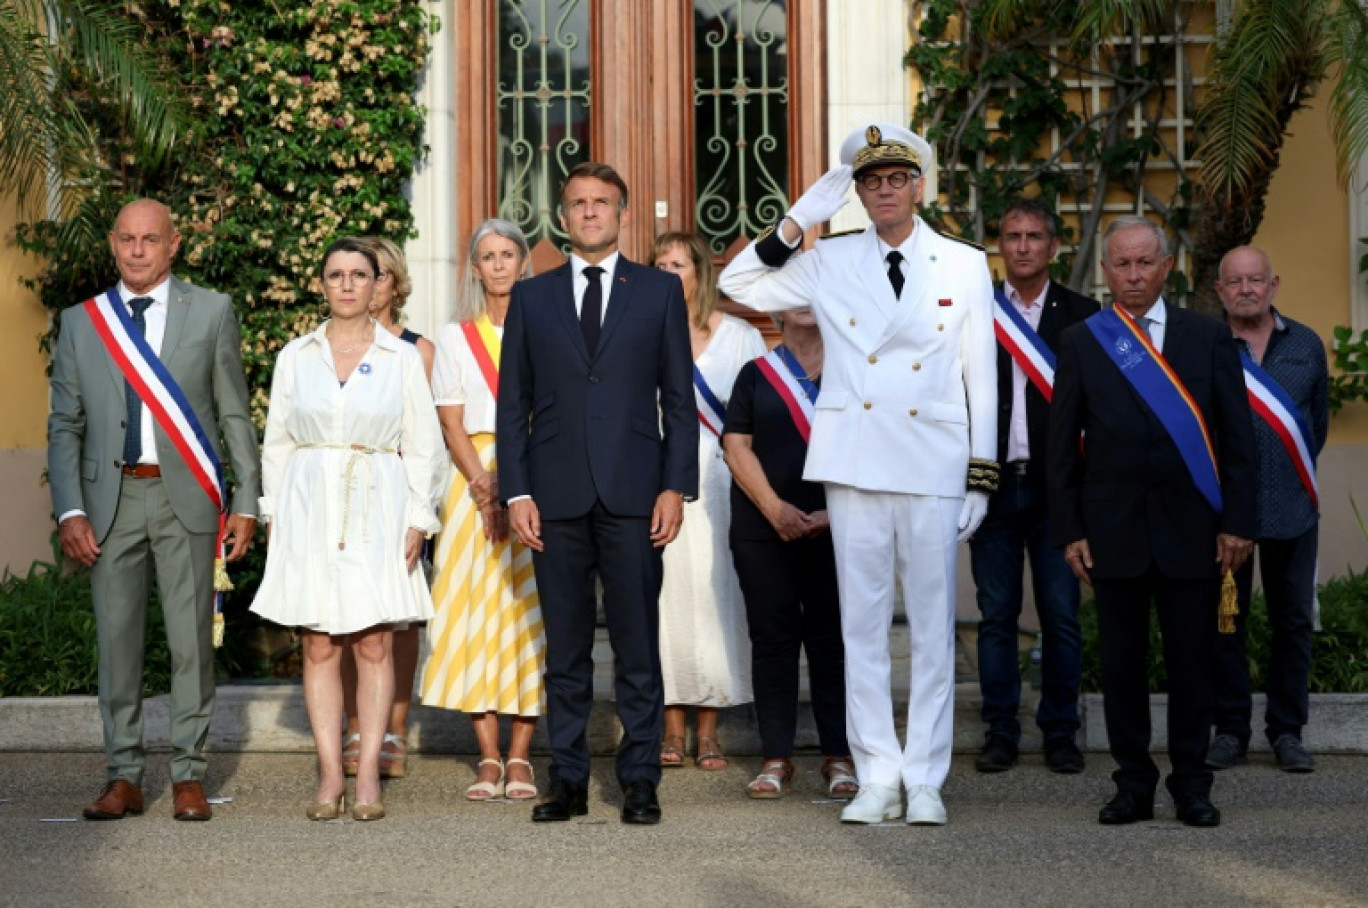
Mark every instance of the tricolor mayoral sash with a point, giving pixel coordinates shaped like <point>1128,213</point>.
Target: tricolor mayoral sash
<point>1268,399</point>
<point>789,380</point>
<point>1162,391</point>
<point>165,400</point>
<point>711,410</point>
<point>486,346</point>
<point>1024,345</point>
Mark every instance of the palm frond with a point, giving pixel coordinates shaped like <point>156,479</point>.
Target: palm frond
<point>28,123</point>
<point>1348,50</point>
<point>1005,19</point>
<point>1098,21</point>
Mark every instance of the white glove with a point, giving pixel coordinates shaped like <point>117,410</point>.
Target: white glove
<point>824,198</point>
<point>972,513</point>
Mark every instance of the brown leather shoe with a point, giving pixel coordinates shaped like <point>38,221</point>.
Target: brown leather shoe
<point>119,798</point>
<point>190,801</point>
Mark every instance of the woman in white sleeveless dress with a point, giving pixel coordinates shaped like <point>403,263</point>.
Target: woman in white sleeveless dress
<point>704,644</point>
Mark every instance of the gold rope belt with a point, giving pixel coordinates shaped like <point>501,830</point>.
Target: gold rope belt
<point>359,455</point>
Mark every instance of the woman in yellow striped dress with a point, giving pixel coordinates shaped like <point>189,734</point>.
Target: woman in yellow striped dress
<point>487,642</point>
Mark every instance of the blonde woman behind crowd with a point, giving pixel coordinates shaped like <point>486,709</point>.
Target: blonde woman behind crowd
<point>347,515</point>
<point>704,645</point>
<point>392,288</point>
<point>488,645</point>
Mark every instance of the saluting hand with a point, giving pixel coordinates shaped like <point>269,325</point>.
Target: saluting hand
<point>826,197</point>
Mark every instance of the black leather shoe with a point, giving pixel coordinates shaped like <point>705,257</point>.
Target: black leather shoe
<point>1063,756</point>
<point>1125,808</point>
<point>999,754</point>
<point>1291,755</point>
<point>1199,811</point>
<point>562,802</point>
<point>1225,752</point>
<point>639,804</point>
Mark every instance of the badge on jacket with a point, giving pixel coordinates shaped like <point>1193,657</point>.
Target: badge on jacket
<point>947,302</point>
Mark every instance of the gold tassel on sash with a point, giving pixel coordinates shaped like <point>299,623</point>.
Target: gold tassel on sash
<point>1230,605</point>
<point>222,584</point>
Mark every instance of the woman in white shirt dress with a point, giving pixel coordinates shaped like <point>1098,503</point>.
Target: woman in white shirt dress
<point>488,643</point>
<point>704,643</point>
<point>346,514</point>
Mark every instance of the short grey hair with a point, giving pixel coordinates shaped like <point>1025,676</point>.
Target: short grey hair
<point>1128,221</point>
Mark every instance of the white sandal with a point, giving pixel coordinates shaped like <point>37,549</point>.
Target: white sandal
<point>484,791</point>
<point>521,791</point>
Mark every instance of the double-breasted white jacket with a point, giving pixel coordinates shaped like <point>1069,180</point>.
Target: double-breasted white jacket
<point>909,386</point>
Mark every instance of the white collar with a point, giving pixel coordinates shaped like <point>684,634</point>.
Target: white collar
<point>609,264</point>
<point>159,294</point>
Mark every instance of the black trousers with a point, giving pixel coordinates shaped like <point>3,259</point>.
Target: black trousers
<point>792,604</point>
<point>618,551</point>
<point>1288,570</point>
<point>1187,622</point>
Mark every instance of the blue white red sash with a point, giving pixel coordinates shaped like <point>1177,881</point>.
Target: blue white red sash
<point>1268,399</point>
<point>1162,391</point>
<point>797,391</point>
<point>1024,345</point>
<point>711,410</point>
<point>165,400</point>
<point>158,391</point>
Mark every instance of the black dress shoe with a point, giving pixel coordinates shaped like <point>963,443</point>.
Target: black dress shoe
<point>1225,752</point>
<point>1199,811</point>
<point>639,804</point>
<point>999,754</point>
<point>1124,808</point>
<point>1063,756</point>
<point>562,802</point>
<point>1291,755</point>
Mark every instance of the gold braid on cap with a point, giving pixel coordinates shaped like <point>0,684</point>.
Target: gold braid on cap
<point>877,151</point>
<point>983,475</point>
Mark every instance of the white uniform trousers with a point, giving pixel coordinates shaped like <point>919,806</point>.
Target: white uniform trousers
<point>880,535</point>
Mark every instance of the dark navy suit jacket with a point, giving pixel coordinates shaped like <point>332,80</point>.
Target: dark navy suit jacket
<point>1126,488</point>
<point>620,427</point>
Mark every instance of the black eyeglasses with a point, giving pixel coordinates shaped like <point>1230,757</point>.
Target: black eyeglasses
<point>872,181</point>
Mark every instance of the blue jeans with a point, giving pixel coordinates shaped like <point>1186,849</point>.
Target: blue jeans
<point>1017,526</point>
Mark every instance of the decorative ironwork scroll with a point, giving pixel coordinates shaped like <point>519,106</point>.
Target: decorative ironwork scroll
<point>543,108</point>
<point>741,102</point>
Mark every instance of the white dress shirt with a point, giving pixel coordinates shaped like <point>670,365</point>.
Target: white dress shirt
<point>156,330</point>
<point>580,283</point>
<point>1018,440</point>
<point>1158,316</point>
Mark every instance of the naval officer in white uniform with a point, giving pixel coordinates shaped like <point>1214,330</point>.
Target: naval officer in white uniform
<point>904,439</point>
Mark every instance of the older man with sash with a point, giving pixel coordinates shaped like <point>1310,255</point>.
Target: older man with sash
<point>903,437</point>
<point>146,378</point>
<point>1287,378</point>
<point>1147,395</point>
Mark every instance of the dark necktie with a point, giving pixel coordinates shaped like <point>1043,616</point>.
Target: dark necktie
<point>895,275</point>
<point>1145,321</point>
<point>133,426</point>
<point>591,309</point>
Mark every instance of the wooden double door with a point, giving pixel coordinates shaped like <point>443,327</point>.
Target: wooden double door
<point>713,111</point>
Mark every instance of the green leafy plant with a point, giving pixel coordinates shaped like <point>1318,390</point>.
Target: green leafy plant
<point>1350,380</point>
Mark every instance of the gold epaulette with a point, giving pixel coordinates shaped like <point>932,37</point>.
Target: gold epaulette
<point>960,239</point>
<point>831,236</point>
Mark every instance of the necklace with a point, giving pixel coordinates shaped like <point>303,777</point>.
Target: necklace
<point>359,344</point>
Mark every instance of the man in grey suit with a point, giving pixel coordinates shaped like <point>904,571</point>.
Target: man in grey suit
<point>128,501</point>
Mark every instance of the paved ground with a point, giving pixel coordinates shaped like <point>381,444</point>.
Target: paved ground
<point>1022,838</point>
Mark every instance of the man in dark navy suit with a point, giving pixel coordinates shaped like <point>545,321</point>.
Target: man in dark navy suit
<point>1134,523</point>
<point>598,450</point>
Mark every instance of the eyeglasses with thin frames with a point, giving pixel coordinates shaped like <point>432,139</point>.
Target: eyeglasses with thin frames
<point>872,181</point>
<point>358,278</point>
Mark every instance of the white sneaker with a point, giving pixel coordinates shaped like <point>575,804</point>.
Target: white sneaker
<point>874,804</point>
<point>924,806</point>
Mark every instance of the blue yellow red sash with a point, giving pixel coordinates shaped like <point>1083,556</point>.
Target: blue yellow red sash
<point>711,410</point>
<point>1268,399</point>
<point>486,346</point>
<point>165,400</point>
<point>1024,345</point>
<point>1162,391</point>
<point>798,392</point>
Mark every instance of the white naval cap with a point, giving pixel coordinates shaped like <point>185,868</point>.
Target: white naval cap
<point>877,144</point>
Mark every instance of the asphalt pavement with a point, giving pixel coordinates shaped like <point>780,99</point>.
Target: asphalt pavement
<point>1025,837</point>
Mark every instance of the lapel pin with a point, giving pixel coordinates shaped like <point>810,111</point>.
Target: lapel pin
<point>946,302</point>
<point>622,280</point>
<point>364,368</point>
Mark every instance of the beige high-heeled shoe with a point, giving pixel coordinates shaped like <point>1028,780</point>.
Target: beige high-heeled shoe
<point>327,810</point>
<point>364,812</point>
<point>483,791</point>
<point>521,791</point>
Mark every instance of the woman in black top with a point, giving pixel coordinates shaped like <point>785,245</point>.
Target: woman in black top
<point>781,546</point>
